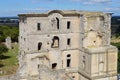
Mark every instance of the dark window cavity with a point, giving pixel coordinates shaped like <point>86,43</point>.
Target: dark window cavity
<point>54,65</point>
<point>68,41</point>
<point>73,76</point>
<point>38,66</point>
<point>39,45</point>
<point>38,26</point>
<point>68,62</point>
<point>55,43</point>
<point>68,24</point>
<point>57,23</point>
<point>68,55</point>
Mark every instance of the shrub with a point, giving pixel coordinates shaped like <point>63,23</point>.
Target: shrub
<point>3,49</point>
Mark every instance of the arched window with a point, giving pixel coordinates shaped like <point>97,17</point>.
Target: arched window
<point>57,23</point>
<point>39,45</point>
<point>55,43</point>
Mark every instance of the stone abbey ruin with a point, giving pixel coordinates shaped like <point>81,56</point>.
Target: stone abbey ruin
<point>66,45</point>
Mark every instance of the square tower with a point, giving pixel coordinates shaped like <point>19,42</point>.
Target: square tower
<point>66,45</point>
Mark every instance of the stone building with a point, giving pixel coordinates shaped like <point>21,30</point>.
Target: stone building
<point>66,45</point>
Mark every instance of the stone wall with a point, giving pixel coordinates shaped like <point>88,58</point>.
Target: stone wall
<point>66,45</point>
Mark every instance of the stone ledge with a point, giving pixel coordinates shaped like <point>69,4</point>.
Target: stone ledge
<point>97,50</point>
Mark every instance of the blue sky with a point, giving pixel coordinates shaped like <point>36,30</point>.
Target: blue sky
<point>15,7</point>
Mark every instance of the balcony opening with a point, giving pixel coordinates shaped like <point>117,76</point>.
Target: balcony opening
<point>55,43</point>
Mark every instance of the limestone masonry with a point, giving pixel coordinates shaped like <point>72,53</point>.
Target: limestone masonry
<point>66,45</point>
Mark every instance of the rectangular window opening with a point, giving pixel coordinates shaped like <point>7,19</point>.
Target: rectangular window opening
<point>68,41</point>
<point>68,62</point>
<point>68,25</point>
<point>38,26</point>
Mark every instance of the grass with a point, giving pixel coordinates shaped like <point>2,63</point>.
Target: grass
<point>9,64</point>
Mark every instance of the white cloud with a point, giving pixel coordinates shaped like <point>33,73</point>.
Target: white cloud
<point>36,1</point>
<point>80,0</point>
<point>92,1</point>
<point>113,9</point>
<point>101,1</point>
<point>34,9</point>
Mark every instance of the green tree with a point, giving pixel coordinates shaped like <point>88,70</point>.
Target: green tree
<point>6,31</point>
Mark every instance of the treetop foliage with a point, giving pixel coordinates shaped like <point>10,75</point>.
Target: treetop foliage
<point>6,31</point>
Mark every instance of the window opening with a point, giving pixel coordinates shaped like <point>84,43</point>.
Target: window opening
<point>57,23</point>
<point>54,65</point>
<point>68,41</point>
<point>73,76</point>
<point>38,66</point>
<point>68,62</point>
<point>68,25</point>
<point>38,26</point>
<point>55,43</point>
<point>68,55</point>
<point>39,46</point>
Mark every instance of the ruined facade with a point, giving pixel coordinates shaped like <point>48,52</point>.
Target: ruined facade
<point>66,45</point>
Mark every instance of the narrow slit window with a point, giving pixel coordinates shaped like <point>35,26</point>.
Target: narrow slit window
<point>39,46</point>
<point>38,26</point>
<point>68,25</point>
<point>38,66</point>
<point>68,62</point>
<point>57,23</point>
<point>68,41</point>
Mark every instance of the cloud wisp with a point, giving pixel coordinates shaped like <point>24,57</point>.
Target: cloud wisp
<point>114,10</point>
<point>93,1</point>
<point>37,1</point>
